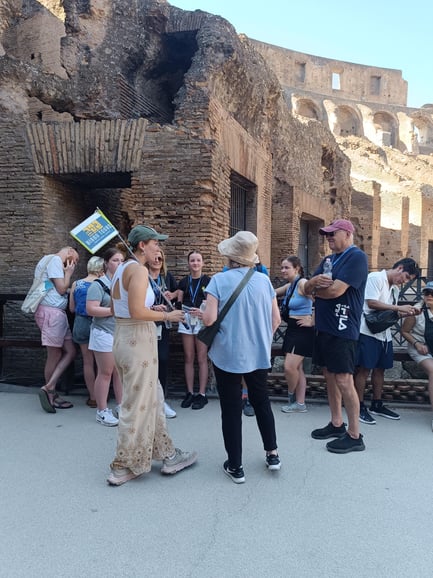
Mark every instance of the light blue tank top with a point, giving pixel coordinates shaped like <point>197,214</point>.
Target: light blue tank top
<point>299,304</point>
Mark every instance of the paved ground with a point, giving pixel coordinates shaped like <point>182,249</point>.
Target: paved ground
<point>323,515</point>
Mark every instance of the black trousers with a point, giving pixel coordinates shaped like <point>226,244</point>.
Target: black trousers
<point>163,357</point>
<point>229,387</point>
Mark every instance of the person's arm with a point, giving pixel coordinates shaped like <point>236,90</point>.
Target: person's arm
<point>136,281</point>
<point>210,314</point>
<point>276,317</point>
<point>403,310</point>
<point>95,309</point>
<point>62,283</point>
<point>72,298</point>
<point>280,291</point>
<point>406,331</point>
<point>324,287</point>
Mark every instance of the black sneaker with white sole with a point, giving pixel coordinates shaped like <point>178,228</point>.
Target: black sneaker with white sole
<point>365,417</point>
<point>236,475</point>
<point>378,408</point>
<point>273,462</point>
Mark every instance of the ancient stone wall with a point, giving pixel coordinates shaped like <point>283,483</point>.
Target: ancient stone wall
<point>335,78</point>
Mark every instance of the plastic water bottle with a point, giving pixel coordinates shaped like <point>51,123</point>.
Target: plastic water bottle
<point>327,267</point>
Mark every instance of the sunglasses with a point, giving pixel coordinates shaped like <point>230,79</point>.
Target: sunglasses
<point>159,259</point>
<point>428,292</point>
<point>332,234</point>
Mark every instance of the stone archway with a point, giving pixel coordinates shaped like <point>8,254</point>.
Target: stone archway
<point>386,127</point>
<point>306,107</point>
<point>347,122</point>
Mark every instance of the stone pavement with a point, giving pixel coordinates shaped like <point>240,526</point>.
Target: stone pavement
<point>323,515</point>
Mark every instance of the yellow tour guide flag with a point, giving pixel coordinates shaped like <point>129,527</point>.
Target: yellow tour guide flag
<point>94,232</point>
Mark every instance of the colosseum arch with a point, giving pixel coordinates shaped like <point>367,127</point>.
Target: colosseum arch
<point>386,126</point>
<point>347,122</point>
<point>423,129</point>
<point>306,107</point>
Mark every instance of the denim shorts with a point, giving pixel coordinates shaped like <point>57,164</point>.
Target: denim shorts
<point>81,330</point>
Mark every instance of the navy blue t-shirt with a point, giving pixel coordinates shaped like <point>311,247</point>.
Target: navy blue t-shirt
<point>342,316</point>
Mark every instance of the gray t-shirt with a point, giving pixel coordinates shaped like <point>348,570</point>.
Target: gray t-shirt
<point>97,293</point>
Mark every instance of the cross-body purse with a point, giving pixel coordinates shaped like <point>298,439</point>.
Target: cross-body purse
<point>207,334</point>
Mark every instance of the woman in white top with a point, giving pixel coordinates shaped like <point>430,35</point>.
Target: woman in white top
<point>142,433</point>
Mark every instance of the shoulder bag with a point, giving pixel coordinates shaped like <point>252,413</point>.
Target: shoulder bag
<point>37,292</point>
<point>284,309</point>
<point>207,334</point>
<point>380,320</point>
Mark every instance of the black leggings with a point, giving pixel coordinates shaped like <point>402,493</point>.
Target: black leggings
<point>229,387</point>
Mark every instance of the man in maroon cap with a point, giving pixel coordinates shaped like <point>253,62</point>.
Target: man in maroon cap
<point>338,286</point>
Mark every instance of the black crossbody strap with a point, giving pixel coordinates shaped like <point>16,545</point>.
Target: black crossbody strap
<point>234,295</point>
<point>104,286</point>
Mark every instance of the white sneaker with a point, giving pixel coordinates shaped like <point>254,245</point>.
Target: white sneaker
<point>116,411</point>
<point>169,411</point>
<point>106,417</point>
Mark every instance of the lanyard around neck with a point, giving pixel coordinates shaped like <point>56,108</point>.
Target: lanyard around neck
<point>340,256</point>
<point>194,295</point>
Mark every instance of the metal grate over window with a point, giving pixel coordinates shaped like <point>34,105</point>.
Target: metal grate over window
<point>238,207</point>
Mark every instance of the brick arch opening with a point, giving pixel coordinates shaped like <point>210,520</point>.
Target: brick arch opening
<point>347,122</point>
<point>306,107</point>
<point>386,127</point>
<point>423,130</point>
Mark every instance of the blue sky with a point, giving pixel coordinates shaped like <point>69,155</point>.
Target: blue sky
<point>380,33</point>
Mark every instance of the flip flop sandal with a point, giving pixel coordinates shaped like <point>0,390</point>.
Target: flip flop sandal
<point>45,401</point>
<point>61,403</point>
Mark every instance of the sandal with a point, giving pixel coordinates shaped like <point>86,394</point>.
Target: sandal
<point>44,398</point>
<point>91,403</point>
<point>59,403</point>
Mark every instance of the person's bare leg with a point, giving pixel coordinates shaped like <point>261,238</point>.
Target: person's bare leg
<point>361,376</point>
<point>203,367</point>
<point>105,363</point>
<point>334,398</point>
<point>68,353</point>
<point>189,355</point>
<point>88,369</point>
<point>344,382</point>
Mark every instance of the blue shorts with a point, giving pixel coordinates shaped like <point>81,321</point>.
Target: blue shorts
<point>373,353</point>
<point>336,354</point>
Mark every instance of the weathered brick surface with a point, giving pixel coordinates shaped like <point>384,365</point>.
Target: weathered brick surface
<point>146,112</point>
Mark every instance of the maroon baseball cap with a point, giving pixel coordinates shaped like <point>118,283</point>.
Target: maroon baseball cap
<point>338,225</point>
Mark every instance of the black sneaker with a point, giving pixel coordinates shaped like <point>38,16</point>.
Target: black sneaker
<point>273,462</point>
<point>365,417</point>
<point>187,400</point>
<point>237,475</point>
<point>247,408</point>
<point>329,431</point>
<point>199,401</point>
<point>379,409</point>
<point>346,444</point>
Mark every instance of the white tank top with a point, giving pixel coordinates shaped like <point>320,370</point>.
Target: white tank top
<point>120,306</point>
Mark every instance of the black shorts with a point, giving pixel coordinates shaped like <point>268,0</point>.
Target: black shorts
<point>298,340</point>
<point>336,354</point>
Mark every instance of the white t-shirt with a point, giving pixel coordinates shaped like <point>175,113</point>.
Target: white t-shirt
<point>51,267</point>
<point>378,289</point>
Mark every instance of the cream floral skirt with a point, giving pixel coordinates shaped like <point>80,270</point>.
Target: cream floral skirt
<point>142,430</point>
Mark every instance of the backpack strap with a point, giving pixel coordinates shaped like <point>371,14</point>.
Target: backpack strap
<point>104,286</point>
